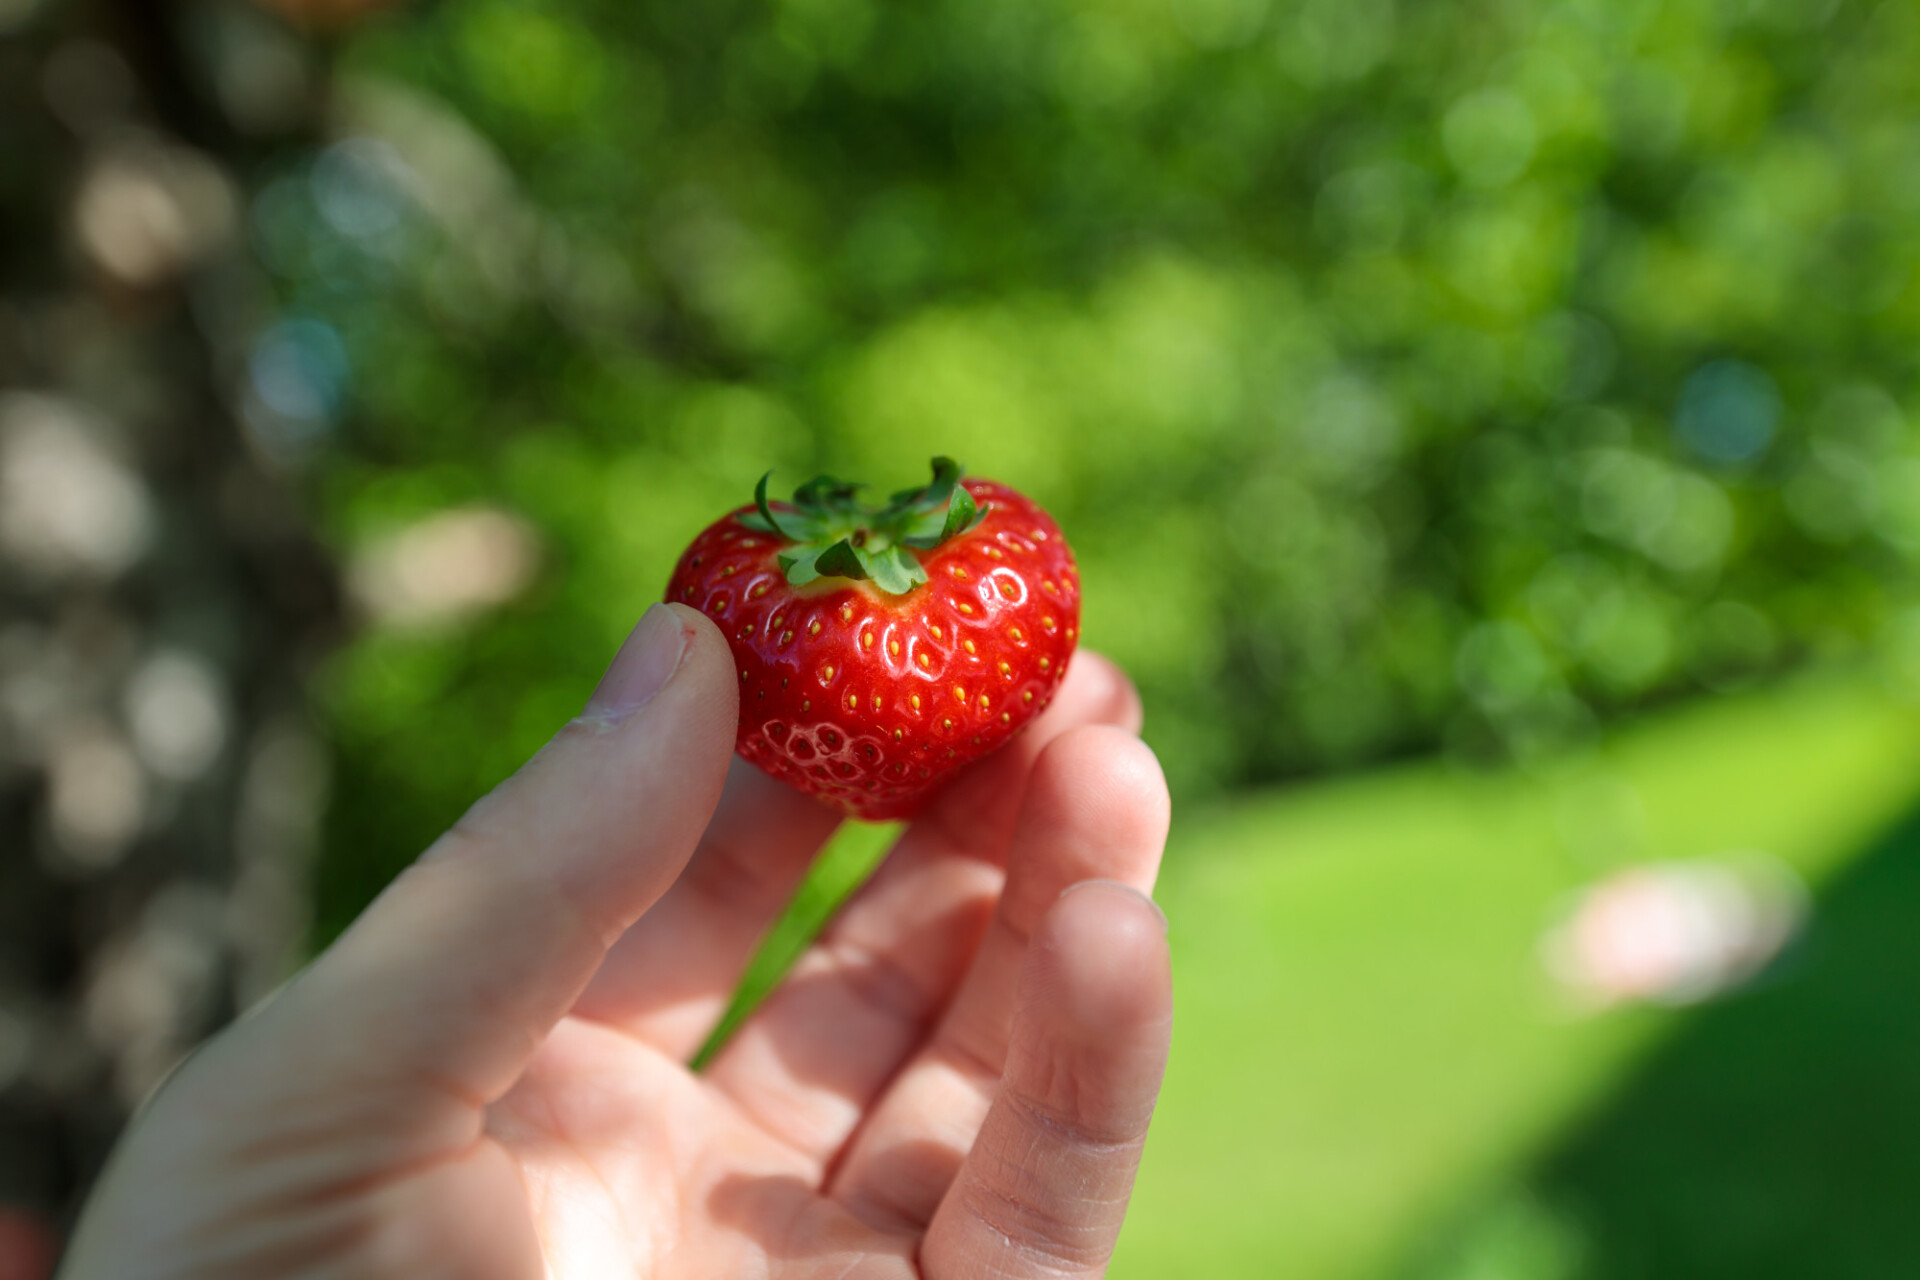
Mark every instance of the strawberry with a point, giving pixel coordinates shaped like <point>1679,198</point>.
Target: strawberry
<point>881,649</point>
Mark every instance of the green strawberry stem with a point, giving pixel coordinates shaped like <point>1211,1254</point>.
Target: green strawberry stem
<point>837,536</point>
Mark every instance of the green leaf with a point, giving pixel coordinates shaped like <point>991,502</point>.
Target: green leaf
<point>841,561</point>
<point>888,573</point>
<point>793,526</point>
<point>911,566</point>
<point>962,514</point>
<point>800,565</point>
<point>824,493</point>
<point>924,532</point>
<point>766,512</point>
<point>930,497</point>
<point>946,480</point>
<point>826,520</point>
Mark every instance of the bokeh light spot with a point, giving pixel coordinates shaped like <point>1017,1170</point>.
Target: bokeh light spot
<point>1729,411</point>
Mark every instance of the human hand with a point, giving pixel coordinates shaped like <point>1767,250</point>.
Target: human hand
<point>486,1075</point>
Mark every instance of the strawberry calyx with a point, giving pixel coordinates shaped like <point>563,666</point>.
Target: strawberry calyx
<point>837,536</point>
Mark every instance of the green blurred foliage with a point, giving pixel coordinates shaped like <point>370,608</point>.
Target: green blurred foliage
<point>1456,373</point>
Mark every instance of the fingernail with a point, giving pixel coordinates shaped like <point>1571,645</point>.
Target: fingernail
<point>641,669</point>
<point>1124,887</point>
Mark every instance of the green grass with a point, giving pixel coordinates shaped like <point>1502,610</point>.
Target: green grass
<point>1365,1050</point>
<point>1776,1134</point>
<point>1371,1077</point>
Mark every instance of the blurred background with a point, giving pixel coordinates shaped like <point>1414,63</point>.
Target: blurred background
<point>1490,432</point>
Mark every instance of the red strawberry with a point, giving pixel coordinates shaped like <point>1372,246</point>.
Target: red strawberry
<point>882,648</point>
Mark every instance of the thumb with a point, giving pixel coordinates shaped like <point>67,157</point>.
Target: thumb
<point>457,972</point>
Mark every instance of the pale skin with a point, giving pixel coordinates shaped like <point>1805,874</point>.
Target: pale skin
<point>487,1076</point>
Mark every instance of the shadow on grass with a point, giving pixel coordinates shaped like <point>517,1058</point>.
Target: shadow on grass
<point>1775,1136</point>
<point>1778,1133</point>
